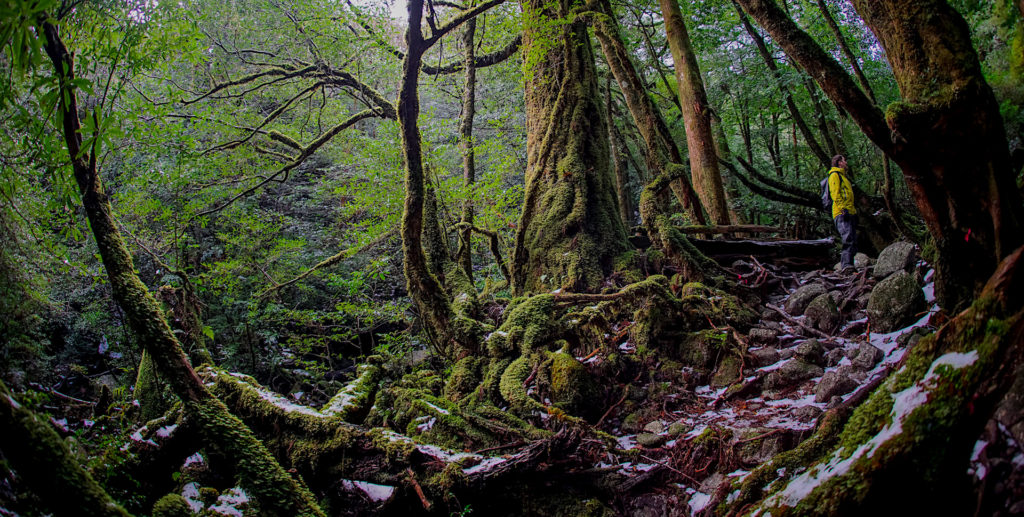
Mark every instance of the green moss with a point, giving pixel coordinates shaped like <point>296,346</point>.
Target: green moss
<point>172,505</point>
<point>466,375</point>
<point>512,384</point>
<point>572,386</point>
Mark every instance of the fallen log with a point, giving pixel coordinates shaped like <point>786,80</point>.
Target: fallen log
<point>809,252</point>
<point>732,228</point>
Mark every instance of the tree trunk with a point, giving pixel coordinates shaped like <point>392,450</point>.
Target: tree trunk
<point>696,116</point>
<point>464,255</point>
<point>946,133</point>
<point>619,163</point>
<point>276,491</point>
<point>661,148</point>
<point>570,230</point>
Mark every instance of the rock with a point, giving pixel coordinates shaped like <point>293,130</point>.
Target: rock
<point>834,402</point>
<point>832,357</point>
<point>898,256</point>
<point>811,351</point>
<point>895,302</point>
<point>762,336</point>
<point>772,325</point>
<point>861,261</point>
<point>866,356</point>
<point>678,428</point>
<point>832,384</point>
<point>650,440</point>
<point>765,356</point>
<point>802,297</point>
<point>770,315</point>
<point>823,314</point>
<point>762,444</point>
<point>786,353</point>
<point>655,426</point>
<point>791,373</point>
<point>807,413</point>
<point>855,328</point>
<point>728,371</point>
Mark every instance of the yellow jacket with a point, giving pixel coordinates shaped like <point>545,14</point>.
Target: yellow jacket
<point>841,190</point>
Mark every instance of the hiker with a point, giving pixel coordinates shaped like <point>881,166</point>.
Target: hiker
<point>843,212</point>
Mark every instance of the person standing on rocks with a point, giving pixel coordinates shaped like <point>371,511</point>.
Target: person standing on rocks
<point>843,212</point>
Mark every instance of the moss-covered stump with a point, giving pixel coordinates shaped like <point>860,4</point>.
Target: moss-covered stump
<point>907,446</point>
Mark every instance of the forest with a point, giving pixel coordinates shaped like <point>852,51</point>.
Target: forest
<point>497,257</point>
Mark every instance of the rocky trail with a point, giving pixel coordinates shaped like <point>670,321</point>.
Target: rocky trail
<point>825,339</point>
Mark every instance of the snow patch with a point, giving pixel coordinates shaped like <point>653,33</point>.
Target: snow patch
<point>191,494</point>
<point>376,493</point>
<point>228,502</point>
<point>166,431</point>
<point>698,501</point>
<point>195,459</point>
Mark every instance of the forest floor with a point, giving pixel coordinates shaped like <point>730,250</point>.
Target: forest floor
<point>685,444</point>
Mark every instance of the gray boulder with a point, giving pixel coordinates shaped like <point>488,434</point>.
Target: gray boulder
<point>802,297</point>
<point>765,356</point>
<point>832,384</point>
<point>811,351</point>
<point>823,314</point>
<point>861,261</point>
<point>895,302</point>
<point>791,373</point>
<point>866,356</point>
<point>899,256</point>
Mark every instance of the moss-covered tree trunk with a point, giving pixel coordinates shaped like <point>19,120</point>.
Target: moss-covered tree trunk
<point>276,492</point>
<point>707,178</point>
<point>570,230</point>
<point>945,133</point>
<point>464,255</point>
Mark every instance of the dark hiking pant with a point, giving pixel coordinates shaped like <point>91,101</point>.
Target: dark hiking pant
<point>847,226</point>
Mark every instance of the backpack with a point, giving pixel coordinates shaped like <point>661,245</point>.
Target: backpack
<point>826,195</point>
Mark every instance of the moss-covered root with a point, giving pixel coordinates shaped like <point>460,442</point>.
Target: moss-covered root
<point>908,445</point>
<point>42,460</point>
<point>352,402</point>
<point>695,266</point>
<point>276,493</point>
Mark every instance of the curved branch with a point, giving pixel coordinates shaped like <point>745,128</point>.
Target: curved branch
<point>306,151</point>
<point>281,72</point>
<point>483,61</point>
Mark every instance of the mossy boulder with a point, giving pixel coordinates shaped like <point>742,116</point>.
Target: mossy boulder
<point>895,302</point>
<point>572,386</point>
<point>728,371</point>
<point>823,314</point>
<point>898,256</point>
<point>699,349</point>
<point>797,302</point>
<point>172,505</point>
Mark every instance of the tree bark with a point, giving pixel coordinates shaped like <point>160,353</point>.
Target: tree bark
<point>946,133</point>
<point>570,230</point>
<point>464,255</point>
<point>707,178</point>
